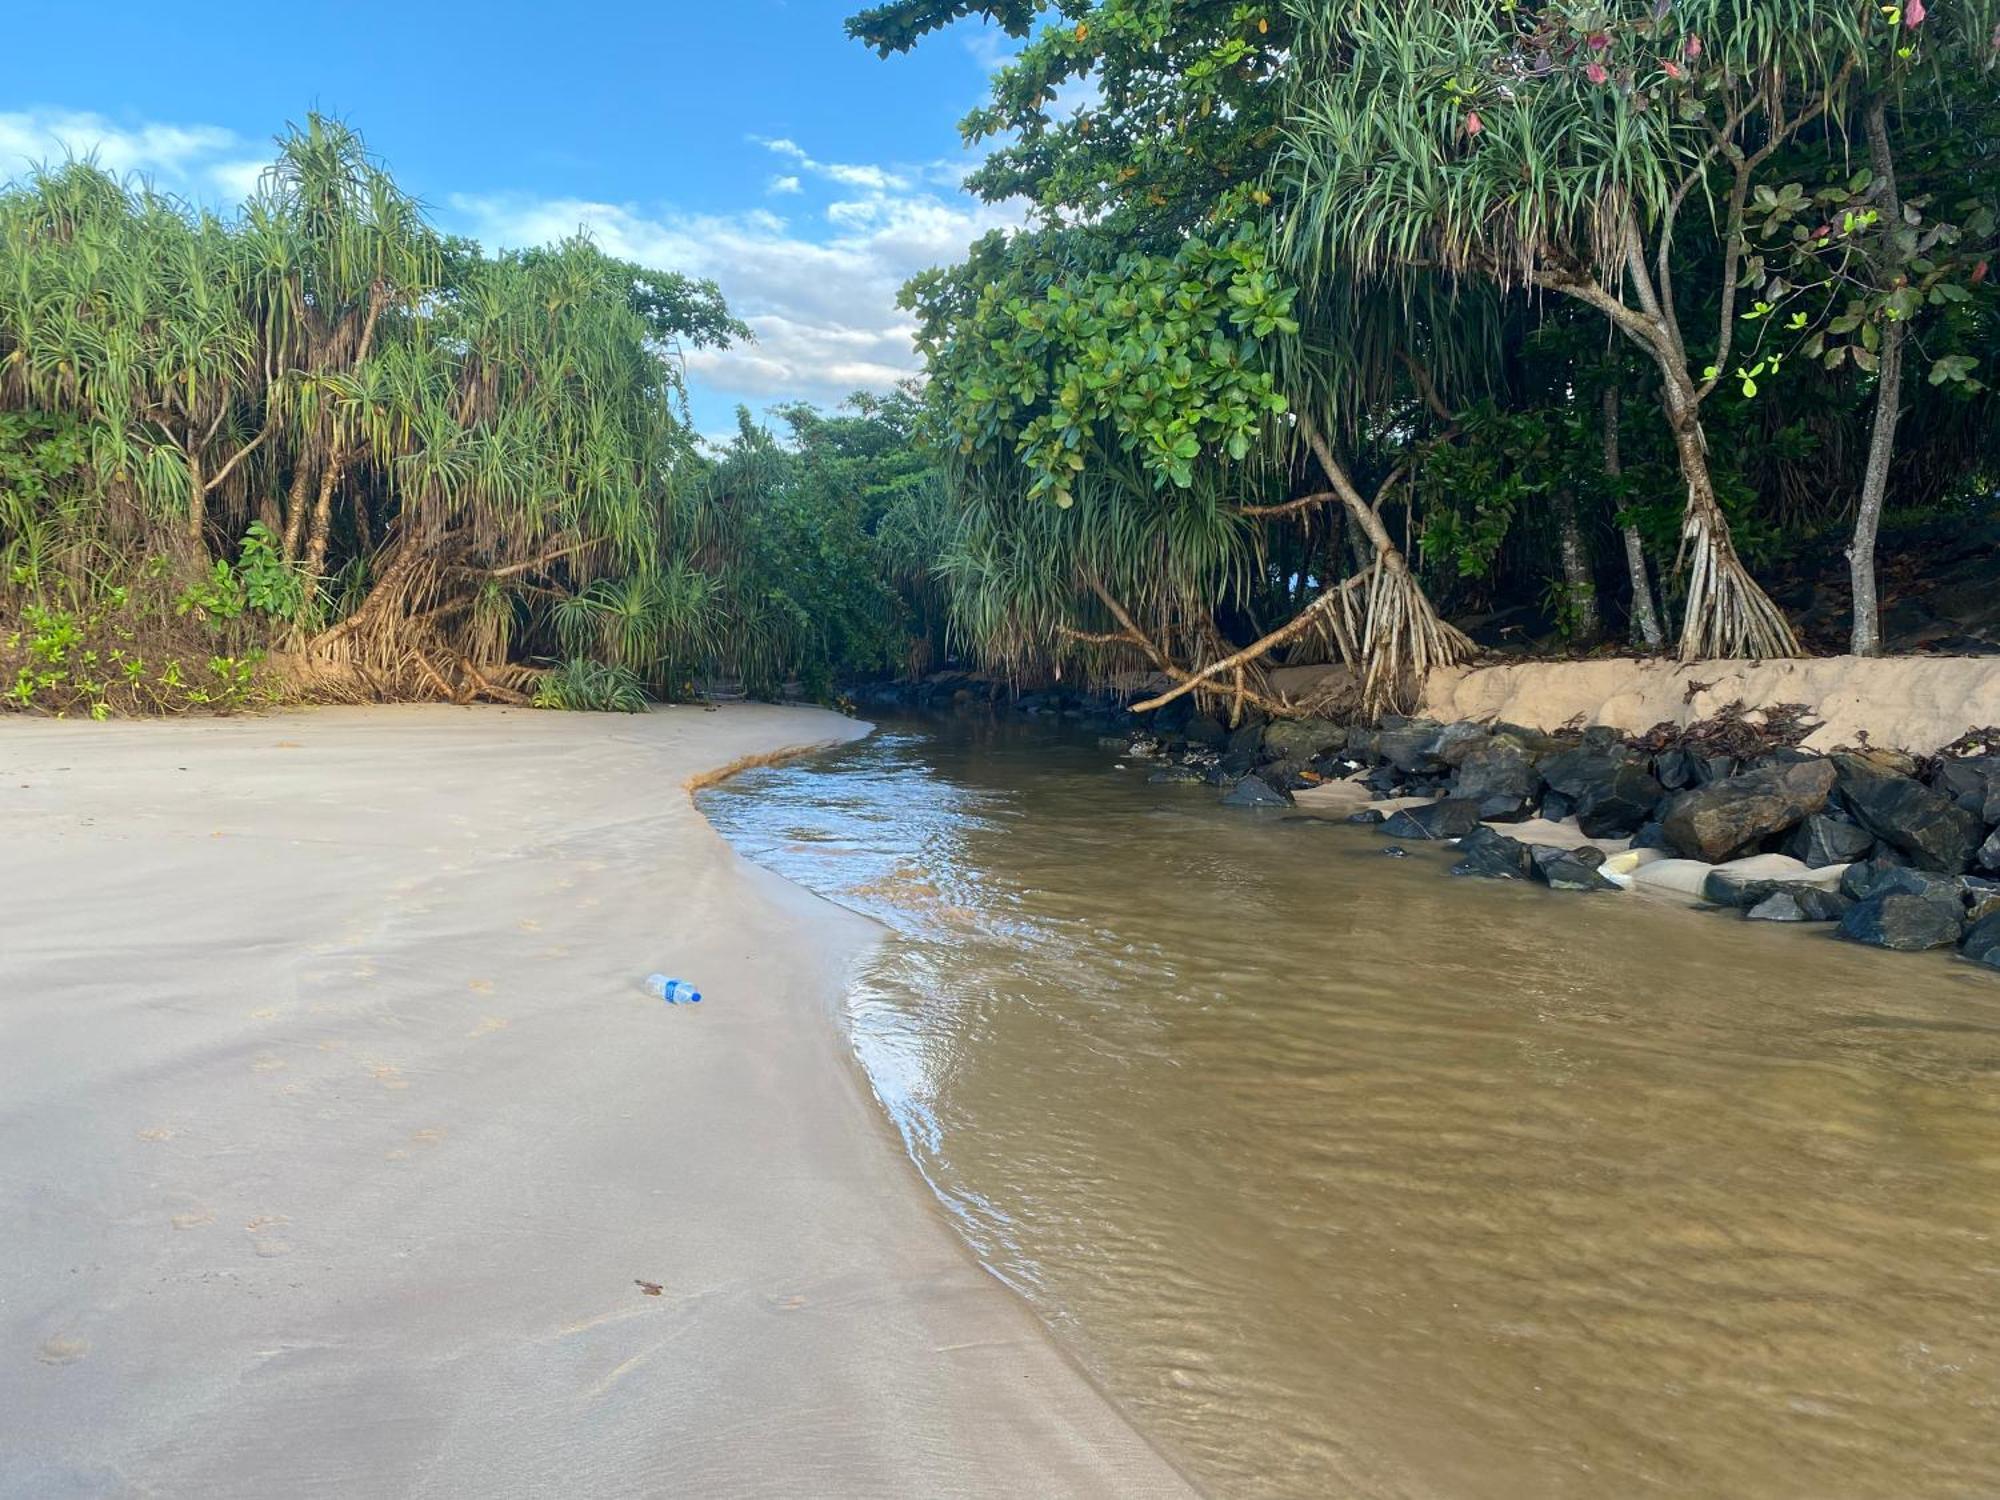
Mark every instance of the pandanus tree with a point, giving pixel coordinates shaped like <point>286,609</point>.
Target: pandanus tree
<point>1152,404</point>
<point>446,456</point>
<point>1560,148</point>
<point>132,315</point>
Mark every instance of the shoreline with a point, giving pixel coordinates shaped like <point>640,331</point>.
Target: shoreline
<point>349,1145</point>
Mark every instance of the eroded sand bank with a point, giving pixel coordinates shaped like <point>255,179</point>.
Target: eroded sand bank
<point>337,1136</point>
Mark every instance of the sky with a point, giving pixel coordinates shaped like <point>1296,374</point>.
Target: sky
<point>746,140</point>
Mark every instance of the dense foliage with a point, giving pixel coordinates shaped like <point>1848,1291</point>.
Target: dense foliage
<point>1333,314</point>
<point>321,449</point>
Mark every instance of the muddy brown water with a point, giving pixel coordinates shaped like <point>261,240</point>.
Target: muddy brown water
<point>1347,1178</point>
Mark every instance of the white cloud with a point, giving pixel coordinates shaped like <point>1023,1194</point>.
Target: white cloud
<point>848,174</point>
<point>784,185</point>
<point>820,292</point>
<point>205,160</point>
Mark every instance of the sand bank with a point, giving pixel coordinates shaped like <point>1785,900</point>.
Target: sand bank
<point>1915,703</point>
<point>337,1137</point>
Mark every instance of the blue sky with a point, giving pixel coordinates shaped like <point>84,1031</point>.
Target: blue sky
<point>748,140</point>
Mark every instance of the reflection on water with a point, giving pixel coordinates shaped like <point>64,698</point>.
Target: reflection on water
<point>1348,1178</point>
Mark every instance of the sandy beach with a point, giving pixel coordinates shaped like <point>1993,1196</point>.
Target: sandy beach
<point>341,1150</point>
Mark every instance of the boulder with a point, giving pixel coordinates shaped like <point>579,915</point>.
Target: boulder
<point>1302,739</point>
<point>1503,809</point>
<point>1651,836</point>
<point>1879,877</point>
<point>1935,832</point>
<point>1366,815</point>
<point>1988,857</point>
<point>1813,903</point>
<point>1488,855</point>
<point>1569,869</point>
<point>1454,742</point>
<point>1406,744</point>
<point>1176,776</point>
<point>1973,782</point>
<point>1904,922</point>
<point>1248,739</point>
<point>1610,787</point>
<point>1725,818</point>
<point>1982,941</point>
<point>1824,839</point>
<point>1496,769</point>
<point>1202,730</point>
<point>1677,770</point>
<point>1452,818</point>
<point>1254,791</point>
<point>1556,807</point>
<point>1779,906</point>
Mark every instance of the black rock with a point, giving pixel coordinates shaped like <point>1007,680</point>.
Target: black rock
<point>1568,869</point>
<point>1384,778</point>
<point>1779,906</point>
<point>1988,857</point>
<point>1490,855</point>
<point>1453,743</point>
<point>1395,851</point>
<point>1254,791</point>
<point>1502,809</point>
<point>1247,740</point>
<point>1496,769</point>
<point>1556,807</point>
<point>1303,739</point>
<point>1450,819</point>
<point>1611,788</point>
<point>1936,833</point>
<point>1407,746</point>
<point>1202,730</point>
<point>1237,762</point>
<point>1650,836</point>
<point>1824,839</point>
<point>1906,923</point>
<point>1284,775</point>
<point>1366,815</point>
<point>1176,776</point>
<point>1814,903</point>
<point>1982,941</point>
<point>1880,877</point>
<point>1973,783</point>
<point>1678,770</point>
<point>1724,818</point>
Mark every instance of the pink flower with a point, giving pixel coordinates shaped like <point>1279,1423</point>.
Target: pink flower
<point>1473,124</point>
<point>1693,48</point>
<point>1599,41</point>
<point>1673,69</point>
<point>1596,73</point>
<point>1914,13</point>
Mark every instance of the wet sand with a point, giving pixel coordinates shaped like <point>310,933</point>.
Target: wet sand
<point>341,1151</point>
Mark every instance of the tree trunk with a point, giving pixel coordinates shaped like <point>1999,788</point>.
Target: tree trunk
<point>1866,639</point>
<point>295,507</point>
<point>1727,614</point>
<point>1645,621</point>
<point>197,516</point>
<point>1397,634</point>
<point>322,523</point>
<point>1580,588</point>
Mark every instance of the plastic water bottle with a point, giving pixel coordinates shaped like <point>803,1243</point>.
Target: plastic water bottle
<point>673,991</point>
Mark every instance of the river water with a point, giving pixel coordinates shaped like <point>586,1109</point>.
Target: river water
<point>1347,1178</point>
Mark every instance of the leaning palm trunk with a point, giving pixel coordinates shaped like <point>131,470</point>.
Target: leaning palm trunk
<point>1399,637</point>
